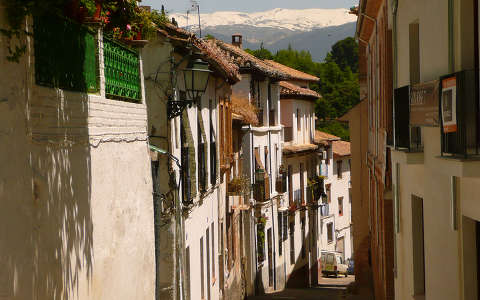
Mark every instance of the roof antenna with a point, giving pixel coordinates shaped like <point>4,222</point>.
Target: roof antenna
<point>194,6</point>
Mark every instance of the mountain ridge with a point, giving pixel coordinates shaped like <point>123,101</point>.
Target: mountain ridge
<point>281,18</point>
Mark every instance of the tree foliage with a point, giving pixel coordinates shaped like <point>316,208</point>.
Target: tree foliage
<point>338,83</point>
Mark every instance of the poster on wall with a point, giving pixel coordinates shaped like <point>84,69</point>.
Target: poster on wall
<point>424,104</point>
<point>449,104</point>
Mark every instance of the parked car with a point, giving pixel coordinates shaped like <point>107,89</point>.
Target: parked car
<point>351,265</point>
<point>333,264</point>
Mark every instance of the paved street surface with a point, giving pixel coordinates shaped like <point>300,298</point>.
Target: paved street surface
<point>328,289</point>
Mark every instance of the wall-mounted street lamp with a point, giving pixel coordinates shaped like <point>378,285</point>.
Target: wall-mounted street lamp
<point>196,77</point>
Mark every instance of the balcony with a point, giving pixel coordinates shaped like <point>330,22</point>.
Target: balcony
<point>408,135</point>
<point>459,115</point>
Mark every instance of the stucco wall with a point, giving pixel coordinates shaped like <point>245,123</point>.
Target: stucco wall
<point>75,225</point>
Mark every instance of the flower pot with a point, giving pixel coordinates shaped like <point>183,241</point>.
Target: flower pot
<point>138,36</point>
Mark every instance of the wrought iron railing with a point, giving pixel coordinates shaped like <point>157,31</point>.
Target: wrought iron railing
<point>122,71</point>
<point>65,54</point>
<point>464,141</point>
<point>407,137</point>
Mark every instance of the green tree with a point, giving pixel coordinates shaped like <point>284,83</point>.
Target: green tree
<point>345,54</point>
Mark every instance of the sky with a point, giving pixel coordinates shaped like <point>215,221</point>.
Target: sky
<point>208,6</point>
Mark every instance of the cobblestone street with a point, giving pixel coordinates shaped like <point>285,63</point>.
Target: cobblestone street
<point>328,289</point>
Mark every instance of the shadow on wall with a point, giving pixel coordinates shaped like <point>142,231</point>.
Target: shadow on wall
<point>46,230</point>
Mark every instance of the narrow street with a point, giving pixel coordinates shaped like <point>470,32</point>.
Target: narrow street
<point>328,289</point>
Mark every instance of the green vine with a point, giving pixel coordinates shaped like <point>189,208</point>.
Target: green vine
<point>123,19</point>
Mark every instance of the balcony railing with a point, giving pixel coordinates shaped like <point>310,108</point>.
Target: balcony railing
<point>407,137</point>
<point>122,73</point>
<point>462,139</point>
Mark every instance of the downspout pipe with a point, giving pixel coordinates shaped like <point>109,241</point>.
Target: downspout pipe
<point>395,67</point>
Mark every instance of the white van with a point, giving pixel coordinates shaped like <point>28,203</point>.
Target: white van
<point>332,263</point>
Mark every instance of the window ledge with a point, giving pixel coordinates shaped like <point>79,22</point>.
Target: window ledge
<point>408,158</point>
<point>460,167</point>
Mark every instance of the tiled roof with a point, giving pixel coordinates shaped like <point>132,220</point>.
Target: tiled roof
<point>295,148</point>
<point>244,111</point>
<point>247,61</point>
<point>341,148</point>
<point>321,136</point>
<point>289,89</point>
<point>212,53</point>
<point>295,74</point>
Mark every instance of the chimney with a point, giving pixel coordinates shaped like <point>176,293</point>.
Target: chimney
<point>237,40</point>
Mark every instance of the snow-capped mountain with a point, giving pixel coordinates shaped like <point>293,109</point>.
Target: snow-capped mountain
<point>314,30</point>
<point>291,19</point>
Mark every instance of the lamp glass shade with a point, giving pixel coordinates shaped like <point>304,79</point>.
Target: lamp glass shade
<point>196,78</point>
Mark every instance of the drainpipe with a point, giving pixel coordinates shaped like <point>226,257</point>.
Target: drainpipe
<point>395,66</point>
<point>451,37</point>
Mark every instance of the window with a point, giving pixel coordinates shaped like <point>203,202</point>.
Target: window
<point>290,185</point>
<point>270,257</point>
<point>207,244</point>
<point>302,221</point>
<point>280,229</point>
<point>292,243</point>
<point>302,184</point>
<point>339,169</point>
<point>260,242</point>
<point>265,152</point>
<point>213,249</point>
<point>202,278</point>
<point>418,246</point>
<point>187,267</point>
<point>340,206</point>
<point>213,146</point>
<point>330,232</point>
<point>329,192</point>
<point>299,121</point>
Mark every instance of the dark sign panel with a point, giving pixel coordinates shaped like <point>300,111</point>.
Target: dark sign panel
<point>424,104</point>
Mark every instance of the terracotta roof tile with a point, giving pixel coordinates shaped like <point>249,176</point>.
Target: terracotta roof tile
<point>247,61</point>
<point>212,53</point>
<point>289,89</point>
<point>341,148</point>
<point>321,136</point>
<point>295,74</point>
<point>295,148</point>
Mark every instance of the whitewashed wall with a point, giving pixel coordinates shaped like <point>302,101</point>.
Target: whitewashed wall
<point>79,225</point>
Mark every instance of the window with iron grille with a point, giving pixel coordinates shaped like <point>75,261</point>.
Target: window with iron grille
<point>66,54</point>
<point>339,169</point>
<point>303,237</point>
<point>340,206</point>
<point>292,243</point>
<point>330,232</point>
<point>280,234</point>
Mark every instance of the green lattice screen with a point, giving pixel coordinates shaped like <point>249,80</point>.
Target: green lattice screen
<point>65,54</point>
<point>122,74</point>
